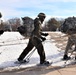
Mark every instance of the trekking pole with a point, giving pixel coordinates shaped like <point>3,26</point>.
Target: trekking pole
<point>29,55</point>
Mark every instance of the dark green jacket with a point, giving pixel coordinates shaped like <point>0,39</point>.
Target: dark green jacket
<point>37,28</point>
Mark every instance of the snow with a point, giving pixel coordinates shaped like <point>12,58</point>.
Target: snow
<point>12,44</point>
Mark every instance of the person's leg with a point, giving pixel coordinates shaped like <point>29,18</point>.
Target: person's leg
<point>38,44</point>
<point>26,51</point>
<point>69,44</point>
<point>41,53</point>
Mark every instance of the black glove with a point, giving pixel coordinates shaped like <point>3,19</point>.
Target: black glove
<point>46,34</point>
<point>1,32</point>
<point>43,39</point>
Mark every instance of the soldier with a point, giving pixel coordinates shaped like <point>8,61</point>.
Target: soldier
<point>35,40</point>
<point>1,31</point>
<point>69,28</point>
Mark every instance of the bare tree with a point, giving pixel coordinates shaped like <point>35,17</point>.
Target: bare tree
<point>14,23</point>
<point>52,24</point>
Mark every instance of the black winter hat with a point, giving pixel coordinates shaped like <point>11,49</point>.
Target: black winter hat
<point>41,15</point>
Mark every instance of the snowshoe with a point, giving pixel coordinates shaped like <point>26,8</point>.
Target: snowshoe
<point>21,62</point>
<point>46,63</point>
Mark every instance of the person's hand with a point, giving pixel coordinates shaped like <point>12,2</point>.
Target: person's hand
<point>43,39</point>
<point>1,32</point>
<point>46,34</point>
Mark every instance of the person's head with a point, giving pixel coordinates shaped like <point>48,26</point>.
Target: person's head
<point>41,16</point>
<point>0,15</point>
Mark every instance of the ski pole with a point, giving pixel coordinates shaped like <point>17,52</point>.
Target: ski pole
<point>28,56</point>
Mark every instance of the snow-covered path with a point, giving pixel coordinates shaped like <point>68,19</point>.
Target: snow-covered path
<point>12,44</point>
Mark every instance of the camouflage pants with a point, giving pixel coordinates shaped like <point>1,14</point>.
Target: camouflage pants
<point>70,43</point>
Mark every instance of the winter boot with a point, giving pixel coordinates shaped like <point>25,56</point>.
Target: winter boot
<point>44,63</point>
<point>21,62</point>
<point>66,57</point>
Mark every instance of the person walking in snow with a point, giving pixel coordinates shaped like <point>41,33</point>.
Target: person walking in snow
<point>36,40</point>
<point>1,31</point>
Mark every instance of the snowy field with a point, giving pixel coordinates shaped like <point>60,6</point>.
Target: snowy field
<point>12,44</point>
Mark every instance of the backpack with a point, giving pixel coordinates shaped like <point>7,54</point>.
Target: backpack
<point>69,25</point>
<point>27,27</point>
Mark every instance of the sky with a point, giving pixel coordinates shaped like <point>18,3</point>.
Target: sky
<point>31,8</point>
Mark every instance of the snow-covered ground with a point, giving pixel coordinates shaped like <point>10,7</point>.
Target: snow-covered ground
<point>12,44</point>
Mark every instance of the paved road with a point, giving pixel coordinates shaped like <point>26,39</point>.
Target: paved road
<point>71,70</point>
